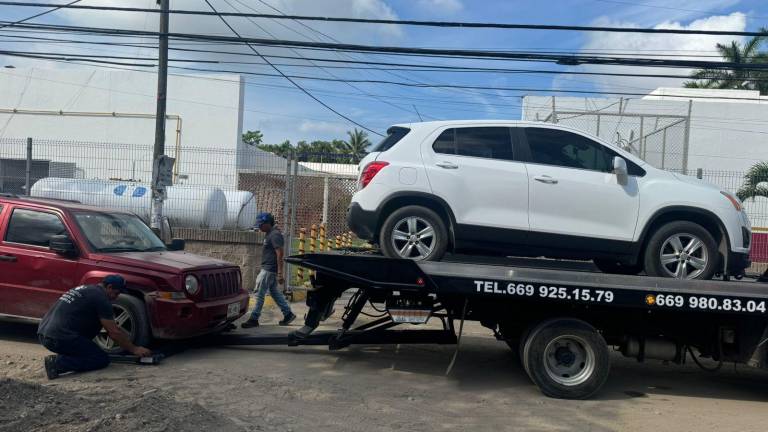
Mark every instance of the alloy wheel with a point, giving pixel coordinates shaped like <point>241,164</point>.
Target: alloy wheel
<point>413,238</point>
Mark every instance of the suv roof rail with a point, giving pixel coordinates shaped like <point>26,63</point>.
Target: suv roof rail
<point>8,195</point>
<point>11,195</point>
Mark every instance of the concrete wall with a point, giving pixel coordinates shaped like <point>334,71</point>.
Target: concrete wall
<point>242,248</point>
<point>210,107</point>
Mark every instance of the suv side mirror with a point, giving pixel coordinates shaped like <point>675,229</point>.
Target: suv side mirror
<point>177,245</point>
<point>620,169</point>
<point>63,245</point>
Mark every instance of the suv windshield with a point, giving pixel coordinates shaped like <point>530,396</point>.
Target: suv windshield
<point>117,232</point>
<point>394,134</point>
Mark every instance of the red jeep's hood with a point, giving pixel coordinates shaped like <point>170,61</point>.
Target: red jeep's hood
<point>167,261</point>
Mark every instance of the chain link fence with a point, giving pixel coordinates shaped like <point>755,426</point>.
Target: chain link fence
<point>220,192</point>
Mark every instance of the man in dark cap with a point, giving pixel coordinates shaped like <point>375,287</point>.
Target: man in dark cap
<point>271,274</point>
<point>69,327</point>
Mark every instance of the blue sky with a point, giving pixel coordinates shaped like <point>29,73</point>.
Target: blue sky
<point>283,113</point>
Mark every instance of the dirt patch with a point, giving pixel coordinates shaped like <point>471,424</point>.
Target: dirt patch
<point>33,407</point>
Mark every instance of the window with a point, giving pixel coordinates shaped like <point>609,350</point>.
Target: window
<point>394,134</point>
<point>484,142</point>
<point>33,227</point>
<point>117,232</point>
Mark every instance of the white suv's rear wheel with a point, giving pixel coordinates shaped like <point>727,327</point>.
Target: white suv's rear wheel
<point>414,232</point>
<point>682,250</point>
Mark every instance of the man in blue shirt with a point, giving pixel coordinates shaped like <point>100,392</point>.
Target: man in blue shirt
<point>271,274</point>
<point>69,327</point>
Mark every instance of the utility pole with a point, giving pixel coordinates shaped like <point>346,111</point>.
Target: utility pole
<point>158,156</point>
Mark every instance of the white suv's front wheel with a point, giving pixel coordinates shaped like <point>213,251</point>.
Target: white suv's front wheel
<point>414,232</point>
<point>682,250</point>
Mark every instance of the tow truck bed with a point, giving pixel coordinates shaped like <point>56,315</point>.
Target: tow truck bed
<point>560,322</point>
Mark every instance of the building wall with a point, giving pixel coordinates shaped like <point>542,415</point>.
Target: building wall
<point>210,108</point>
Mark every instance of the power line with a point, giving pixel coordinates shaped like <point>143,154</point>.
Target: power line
<point>444,24</point>
<point>328,107</point>
<point>568,60</point>
<point>54,9</point>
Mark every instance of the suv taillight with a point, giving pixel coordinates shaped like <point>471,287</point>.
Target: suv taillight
<point>369,172</point>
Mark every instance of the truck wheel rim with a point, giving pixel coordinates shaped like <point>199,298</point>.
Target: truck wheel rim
<point>124,320</point>
<point>569,360</point>
<point>683,256</point>
<point>413,238</point>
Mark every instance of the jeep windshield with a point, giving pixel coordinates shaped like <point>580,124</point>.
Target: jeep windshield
<point>117,232</point>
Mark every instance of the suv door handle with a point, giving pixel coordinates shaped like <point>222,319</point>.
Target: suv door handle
<point>8,258</point>
<point>447,165</point>
<point>545,179</point>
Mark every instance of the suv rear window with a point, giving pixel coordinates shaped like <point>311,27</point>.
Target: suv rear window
<point>33,227</point>
<point>484,142</point>
<point>394,134</point>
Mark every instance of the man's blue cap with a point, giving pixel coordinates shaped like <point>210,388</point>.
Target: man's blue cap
<point>116,281</point>
<point>265,217</point>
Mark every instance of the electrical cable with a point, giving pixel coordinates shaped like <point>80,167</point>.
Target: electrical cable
<point>328,107</point>
<point>54,9</point>
<point>568,60</point>
<point>402,22</point>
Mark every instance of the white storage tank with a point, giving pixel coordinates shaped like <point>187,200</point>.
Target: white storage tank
<point>185,206</point>
<point>241,210</point>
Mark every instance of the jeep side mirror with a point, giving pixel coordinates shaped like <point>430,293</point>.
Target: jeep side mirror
<point>62,245</point>
<point>620,169</point>
<point>177,245</point>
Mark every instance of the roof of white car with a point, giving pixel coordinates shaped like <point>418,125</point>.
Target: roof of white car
<point>464,122</point>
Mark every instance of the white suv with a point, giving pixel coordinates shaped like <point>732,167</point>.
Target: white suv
<point>534,189</point>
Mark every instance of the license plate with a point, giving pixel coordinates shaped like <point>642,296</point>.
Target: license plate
<point>233,310</point>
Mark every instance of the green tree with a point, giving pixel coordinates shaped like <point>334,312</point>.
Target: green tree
<point>356,145</point>
<point>755,182</point>
<point>253,138</point>
<point>739,79</point>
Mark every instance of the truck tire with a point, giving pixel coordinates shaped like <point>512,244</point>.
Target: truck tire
<point>566,359</point>
<point>683,250</point>
<point>131,316</point>
<point>414,232</point>
<point>616,267</point>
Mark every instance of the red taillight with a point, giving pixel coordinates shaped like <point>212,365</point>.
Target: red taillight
<point>369,172</point>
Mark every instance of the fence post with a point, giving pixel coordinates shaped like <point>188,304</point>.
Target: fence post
<point>699,173</point>
<point>598,126</point>
<point>28,176</point>
<point>663,147</point>
<point>642,139</point>
<point>687,139</point>
<point>322,237</point>
<point>325,200</point>
<point>286,221</point>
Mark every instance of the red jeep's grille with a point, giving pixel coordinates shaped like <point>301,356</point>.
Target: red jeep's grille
<point>220,284</point>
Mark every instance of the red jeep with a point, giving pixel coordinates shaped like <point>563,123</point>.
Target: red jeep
<point>48,247</point>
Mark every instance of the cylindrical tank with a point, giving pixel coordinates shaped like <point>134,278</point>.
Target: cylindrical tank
<point>241,210</point>
<point>185,206</point>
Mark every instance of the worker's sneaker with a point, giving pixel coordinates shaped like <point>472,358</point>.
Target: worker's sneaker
<point>251,323</point>
<point>288,319</point>
<point>50,367</point>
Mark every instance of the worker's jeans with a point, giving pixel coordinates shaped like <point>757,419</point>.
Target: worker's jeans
<point>266,281</point>
<point>78,354</point>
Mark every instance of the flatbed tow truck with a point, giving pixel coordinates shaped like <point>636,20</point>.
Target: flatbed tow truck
<point>561,322</point>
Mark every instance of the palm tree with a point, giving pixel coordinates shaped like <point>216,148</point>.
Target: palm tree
<point>739,79</point>
<point>356,145</point>
<point>755,182</point>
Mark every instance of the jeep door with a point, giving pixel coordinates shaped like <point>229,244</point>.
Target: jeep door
<point>32,277</point>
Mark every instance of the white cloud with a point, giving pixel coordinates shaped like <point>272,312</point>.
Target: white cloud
<point>649,13</point>
<point>323,127</point>
<point>441,6</point>
<point>655,45</point>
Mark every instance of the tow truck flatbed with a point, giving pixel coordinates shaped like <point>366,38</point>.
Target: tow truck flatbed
<point>561,322</point>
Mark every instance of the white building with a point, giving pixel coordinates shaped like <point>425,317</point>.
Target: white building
<point>728,129</point>
<point>103,122</point>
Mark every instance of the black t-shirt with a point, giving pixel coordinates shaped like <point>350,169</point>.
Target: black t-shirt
<point>77,313</point>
